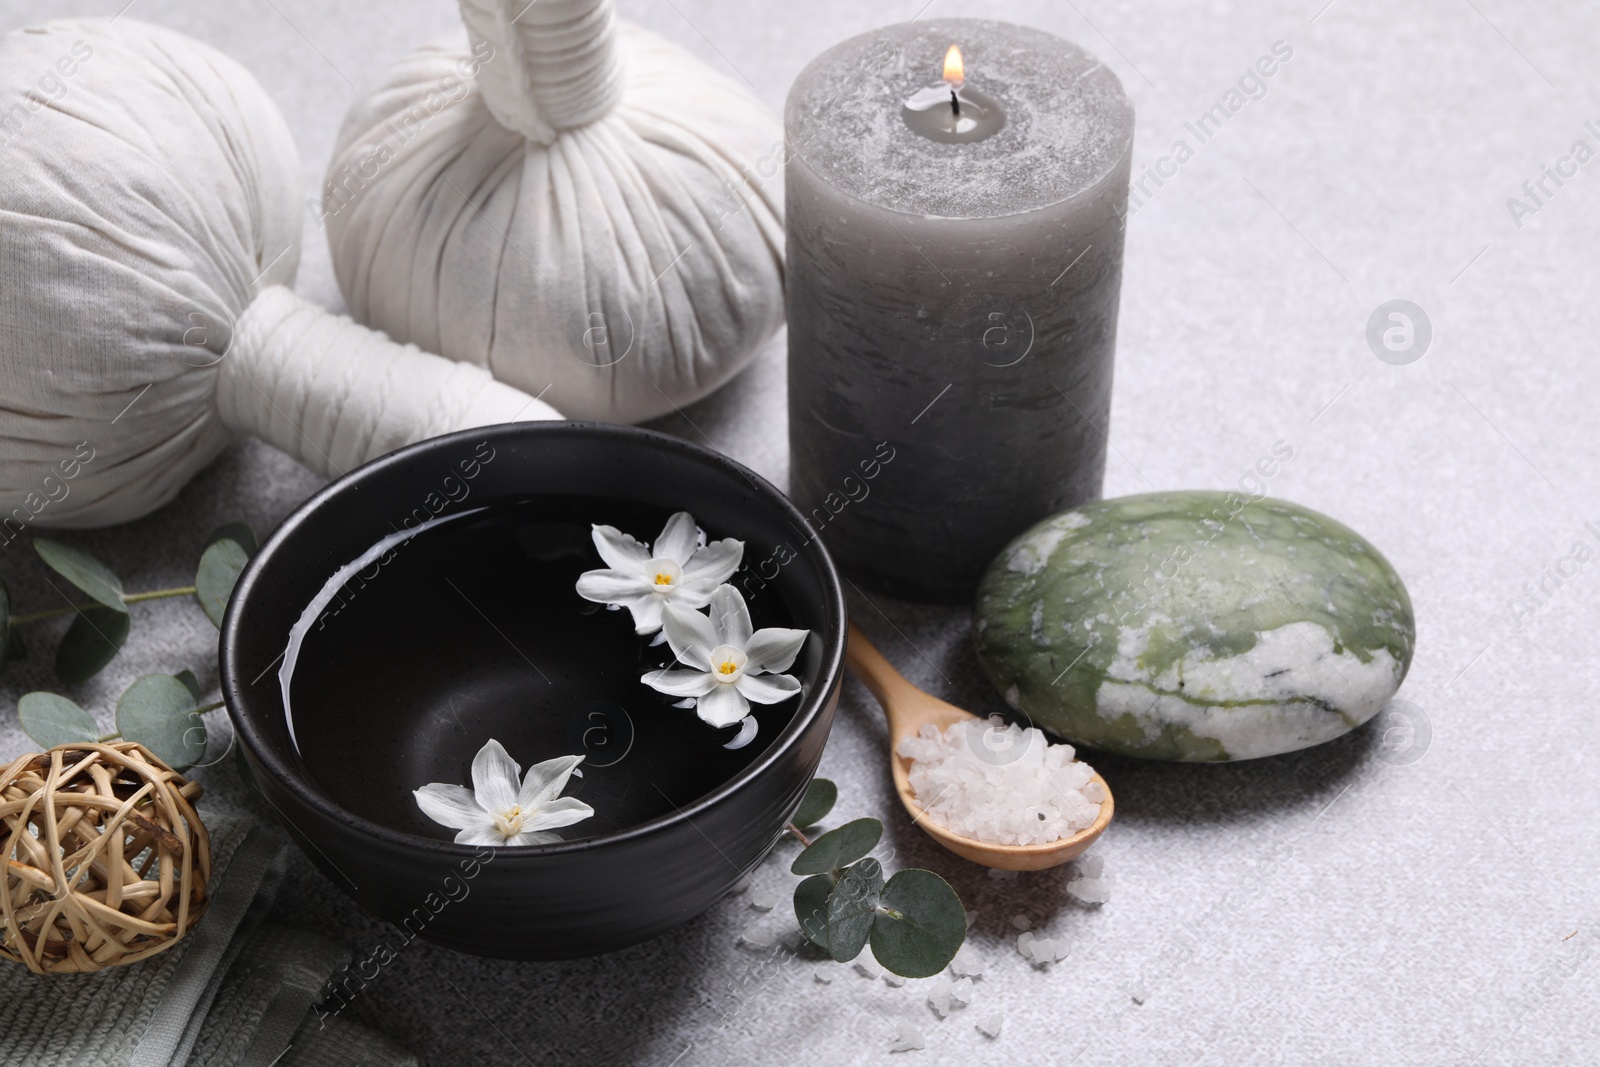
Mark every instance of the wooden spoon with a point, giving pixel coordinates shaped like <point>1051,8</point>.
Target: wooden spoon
<point>908,709</point>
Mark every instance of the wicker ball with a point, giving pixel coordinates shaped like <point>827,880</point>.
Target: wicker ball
<point>106,861</point>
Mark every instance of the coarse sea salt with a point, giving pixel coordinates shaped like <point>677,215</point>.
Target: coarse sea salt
<point>910,1037</point>
<point>758,936</point>
<point>1088,881</point>
<point>1041,950</point>
<point>996,782</point>
<point>967,961</point>
<point>947,995</point>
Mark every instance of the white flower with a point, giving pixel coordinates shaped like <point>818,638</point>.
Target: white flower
<point>678,570</point>
<point>495,811</point>
<point>729,665</point>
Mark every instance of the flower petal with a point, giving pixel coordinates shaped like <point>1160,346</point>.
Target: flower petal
<point>494,777</point>
<point>562,811</point>
<point>611,587</point>
<point>545,781</point>
<point>450,805</point>
<point>773,649</point>
<point>678,539</point>
<point>730,616</point>
<point>485,834</point>
<point>767,688</point>
<point>680,683</point>
<point>716,561</point>
<point>695,594</point>
<point>691,636</point>
<point>527,838</point>
<point>723,706</point>
<point>646,612</point>
<point>621,551</point>
<point>747,733</point>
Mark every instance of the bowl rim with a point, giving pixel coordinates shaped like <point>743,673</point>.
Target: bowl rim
<point>291,778</point>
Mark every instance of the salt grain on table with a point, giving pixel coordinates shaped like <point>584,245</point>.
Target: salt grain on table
<point>763,899</point>
<point>967,961</point>
<point>1001,784</point>
<point>910,1038</point>
<point>990,1026</point>
<point>754,935</point>
<point>1087,882</point>
<point>948,995</point>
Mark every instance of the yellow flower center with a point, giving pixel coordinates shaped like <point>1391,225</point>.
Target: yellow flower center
<point>509,822</point>
<point>727,667</point>
<point>663,579</point>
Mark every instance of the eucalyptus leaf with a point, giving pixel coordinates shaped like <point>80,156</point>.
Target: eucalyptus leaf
<point>83,571</point>
<point>851,909</point>
<point>815,805</point>
<point>838,847</point>
<point>190,682</point>
<point>158,712</point>
<point>811,907</point>
<point>53,720</point>
<point>239,532</point>
<point>919,926</point>
<point>219,570</point>
<point>91,642</point>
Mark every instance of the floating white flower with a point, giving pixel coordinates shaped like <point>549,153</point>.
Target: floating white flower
<point>729,665</point>
<point>496,811</point>
<point>677,570</point>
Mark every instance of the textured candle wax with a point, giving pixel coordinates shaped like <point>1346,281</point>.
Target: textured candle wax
<point>952,306</point>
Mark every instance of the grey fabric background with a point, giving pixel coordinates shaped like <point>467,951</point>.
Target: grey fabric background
<point>1429,899</point>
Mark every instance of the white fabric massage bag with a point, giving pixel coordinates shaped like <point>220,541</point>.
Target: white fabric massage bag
<point>150,217</point>
<point>568,201</point>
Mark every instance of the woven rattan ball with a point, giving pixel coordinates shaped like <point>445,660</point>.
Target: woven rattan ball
<point>106,861</point>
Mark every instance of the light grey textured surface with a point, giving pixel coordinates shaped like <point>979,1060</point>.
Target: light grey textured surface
<point>1334,907</point>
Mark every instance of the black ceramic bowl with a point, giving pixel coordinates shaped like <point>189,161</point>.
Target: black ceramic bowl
<point>577,897</point>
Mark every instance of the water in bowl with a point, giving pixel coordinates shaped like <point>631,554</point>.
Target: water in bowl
<point>472,630</point>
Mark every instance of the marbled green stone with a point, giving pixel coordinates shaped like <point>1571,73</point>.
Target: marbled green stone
<point>1194,626</point>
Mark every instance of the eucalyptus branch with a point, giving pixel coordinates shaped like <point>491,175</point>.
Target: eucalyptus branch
<point>913,921</point>
<point>162,712</point>
<point>128,598</point>
<point>213,706</point>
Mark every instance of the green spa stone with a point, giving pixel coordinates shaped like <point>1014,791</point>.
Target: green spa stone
<point>1194,626</point>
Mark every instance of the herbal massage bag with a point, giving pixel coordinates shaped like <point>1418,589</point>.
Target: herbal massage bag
<point>582,208</point>
<point>150,217</point>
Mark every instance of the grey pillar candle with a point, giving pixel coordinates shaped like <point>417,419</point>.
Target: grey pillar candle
<point>952,303</point>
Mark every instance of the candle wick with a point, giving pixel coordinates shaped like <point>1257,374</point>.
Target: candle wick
<point>955,103</point>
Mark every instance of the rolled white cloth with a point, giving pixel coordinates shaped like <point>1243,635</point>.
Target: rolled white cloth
<point>334,394</point>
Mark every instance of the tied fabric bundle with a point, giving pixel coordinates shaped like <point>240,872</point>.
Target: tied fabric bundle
<point>150,218</point>
<point>569,201</point>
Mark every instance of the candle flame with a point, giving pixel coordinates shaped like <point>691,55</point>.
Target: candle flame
<point>955,71</point>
